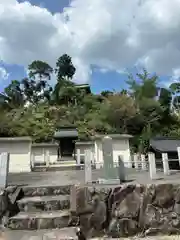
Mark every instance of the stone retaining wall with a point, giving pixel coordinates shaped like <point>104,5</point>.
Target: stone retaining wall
<point>127,210</point>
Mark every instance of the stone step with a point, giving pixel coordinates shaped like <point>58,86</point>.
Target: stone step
<point>54,168</point>
<point>46,234</point>
<point>31,191</point>
<point>45,203</point>
<point>41,220</point>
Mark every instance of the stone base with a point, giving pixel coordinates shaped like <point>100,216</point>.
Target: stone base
<point>108,181</point>
<point>46,203</point>
<point>31,191</point>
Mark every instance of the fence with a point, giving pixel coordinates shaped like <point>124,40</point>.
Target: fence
<point>148,165</point>
<point>138,162</point>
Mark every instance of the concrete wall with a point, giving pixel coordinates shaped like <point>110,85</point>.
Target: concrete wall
<point>120,148</point>
<point>82,146</point>
<point>20,153</point>
<point>38,152</point>
<point>23,153</point>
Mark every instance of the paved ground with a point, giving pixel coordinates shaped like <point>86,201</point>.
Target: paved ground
<point>77,176</point>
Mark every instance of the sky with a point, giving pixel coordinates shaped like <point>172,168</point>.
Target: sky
<point>106,39</point>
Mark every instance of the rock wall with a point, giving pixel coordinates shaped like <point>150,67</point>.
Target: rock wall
<point>127,210</point>
<point>8,205</point>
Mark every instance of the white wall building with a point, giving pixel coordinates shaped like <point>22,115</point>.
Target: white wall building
<point>24,154</point>
<point>19,149</point>
<point>120,146</point>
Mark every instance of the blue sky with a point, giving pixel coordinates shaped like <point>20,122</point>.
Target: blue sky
<point>104,47</point>
<point>99,81</point>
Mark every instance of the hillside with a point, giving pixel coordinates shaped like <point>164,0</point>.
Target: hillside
<point>33,107</point>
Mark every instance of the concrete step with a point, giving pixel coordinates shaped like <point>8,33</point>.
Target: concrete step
<point>45,203</point>
<point>54,168</point>
<point>64,162</point>
<point>41,220</point>
<point>31,191</point>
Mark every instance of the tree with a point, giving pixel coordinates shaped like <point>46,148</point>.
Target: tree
<point>64,90</point>
<point>106,93</point>
<point>121,109</point>
<point>40,70</point>
<point>36,86</point>
<point>145,87</point>
<point>13,95</point>
<point>65,68</point>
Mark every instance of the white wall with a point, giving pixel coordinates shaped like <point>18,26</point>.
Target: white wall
<point>82,147</point>
<point>39,152</point>
<point>20,154</point>
<point>120,148</point>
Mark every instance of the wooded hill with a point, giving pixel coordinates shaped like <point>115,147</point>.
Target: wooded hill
<point>34,107</point>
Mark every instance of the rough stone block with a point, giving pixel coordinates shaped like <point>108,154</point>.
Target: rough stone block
<point>46,191</point>
<point>80,198</point>
<point>46,203</point>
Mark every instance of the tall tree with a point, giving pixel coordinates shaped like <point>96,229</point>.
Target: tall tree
<point>144,86</point>
<point>64,90</point>
<point>13,95</point>
<point>175,90</point>
<point>36,87</point>
<point>65,68</point>
<point>41,70</point>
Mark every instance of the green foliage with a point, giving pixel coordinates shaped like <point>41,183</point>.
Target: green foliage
<point>65,68</point>
<point>40,70</point>
<point>33,107</point>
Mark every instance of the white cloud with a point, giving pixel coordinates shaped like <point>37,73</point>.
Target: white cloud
<point>174,78</point>
<point>110,34</point>
<point>3,74</point>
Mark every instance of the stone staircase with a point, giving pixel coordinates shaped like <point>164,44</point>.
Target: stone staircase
<point>42,208</point>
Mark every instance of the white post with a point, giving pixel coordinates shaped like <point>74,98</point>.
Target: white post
<point>165,164</point>
<point>97,155</point>
<point>78,156</point>
<point>136,164</point>
<point>32,160</point>
<point>87,166</point>
<point>152,166</point>
<point>4,170</point>
<point>178,150</point>
<point>43,156</point>
<point>143,162</point>
<point>47,158</point>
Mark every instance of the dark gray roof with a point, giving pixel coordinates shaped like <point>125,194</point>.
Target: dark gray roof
<point>165,145</point>
<point>66,133</point>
